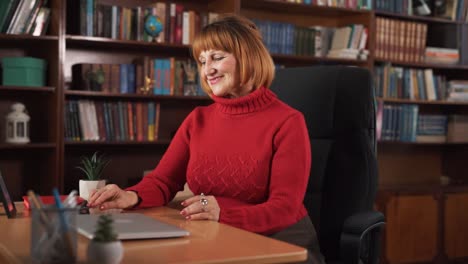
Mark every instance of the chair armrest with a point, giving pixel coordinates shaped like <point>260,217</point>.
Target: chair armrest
<point>355,228</point>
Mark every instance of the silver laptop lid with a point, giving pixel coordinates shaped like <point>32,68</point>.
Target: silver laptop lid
<point>130,226</point>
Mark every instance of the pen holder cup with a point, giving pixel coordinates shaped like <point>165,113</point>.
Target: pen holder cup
<point>53,235</point>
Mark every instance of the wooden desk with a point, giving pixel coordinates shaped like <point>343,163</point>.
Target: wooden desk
<point>209,242</point>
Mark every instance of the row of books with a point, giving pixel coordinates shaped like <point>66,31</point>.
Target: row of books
<point>349,42</point>
<point>432,129</point>
<point>408,83</point>
<point>449,9</point>
<point>24,17</point>
<point>159,76</point>
<point>442,55</point>
<point>309,41</point>
<point>457,91</point>
<point>353,4</point>
<point>179,24</point>
<point>107,78</point>
<point>397,122</point>
<point>87,120</point>
<point>286,38</point>
<point>169,76</point>
<point>399,40</point>
<point>403,122</point>
<point>398,6</point>
<point>435,125</point>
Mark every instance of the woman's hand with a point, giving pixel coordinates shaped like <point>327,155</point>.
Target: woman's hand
<point>201,207</point>
<point>112,197</point>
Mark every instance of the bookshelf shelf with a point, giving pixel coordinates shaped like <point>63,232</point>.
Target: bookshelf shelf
<point>101,95</point>
<point>424,188</point>
<point>6,146</point>
<point>294,59</point>
<point>312,10</point>
<point>387,142</point>
<point>35,165</point>
<point>74,41</point>
<point>424,65</point>
<point>28,89</point>
<point>16,38</point>
<point>413,175</point>
<point>417,18</point>
<point>118,143</point>
<point>421,102</point>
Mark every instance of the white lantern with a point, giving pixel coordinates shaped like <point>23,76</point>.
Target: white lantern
<point>17,125</point>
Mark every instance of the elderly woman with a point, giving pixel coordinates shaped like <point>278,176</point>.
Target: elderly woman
<point>247,156</point>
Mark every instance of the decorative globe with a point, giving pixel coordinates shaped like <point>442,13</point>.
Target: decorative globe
<point>153,26</point>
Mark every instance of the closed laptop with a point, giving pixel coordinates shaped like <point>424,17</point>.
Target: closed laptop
<point>130,226</point>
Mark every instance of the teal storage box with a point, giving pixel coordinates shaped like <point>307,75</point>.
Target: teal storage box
<point>23,71</point>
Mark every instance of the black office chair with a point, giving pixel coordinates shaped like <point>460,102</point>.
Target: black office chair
<point>338,105</point>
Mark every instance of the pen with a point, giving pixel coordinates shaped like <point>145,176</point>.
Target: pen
<point>70,201</point>
<point>63,221</point>
<point>42,215</point>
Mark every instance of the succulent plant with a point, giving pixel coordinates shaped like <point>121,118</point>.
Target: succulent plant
<point>93,166</point>
<point>104,229</point>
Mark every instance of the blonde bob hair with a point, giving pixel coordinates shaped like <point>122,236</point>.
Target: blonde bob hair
<point>240,37</point>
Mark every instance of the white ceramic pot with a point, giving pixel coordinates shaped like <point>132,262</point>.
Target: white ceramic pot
<point>87,186</point>
<point>105,252</point>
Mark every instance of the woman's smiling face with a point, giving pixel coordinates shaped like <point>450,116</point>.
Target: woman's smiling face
<point>219,69</point>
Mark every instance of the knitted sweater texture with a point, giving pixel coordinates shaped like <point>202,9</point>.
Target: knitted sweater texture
<point>251,153</point>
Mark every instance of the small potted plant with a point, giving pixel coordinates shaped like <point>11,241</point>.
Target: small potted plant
<point>105,248</point>
<point>92,167</point>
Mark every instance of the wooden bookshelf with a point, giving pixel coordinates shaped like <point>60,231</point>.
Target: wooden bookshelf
<point>36,165</point>
<point>100,42</point>
<point>426,19</point>
<point>422,102</point>
<point>422,144</point>
<point>6,146</point>
<point>277,6</point>
<point>425,65</point>
<point>94,94</point>
<point>162,142</point>
<point>27,89</point>
<point>22,38</point>
<point>404,168</point>
<point>424,180</point>
<point>307,60</point>
<point>422,189</point>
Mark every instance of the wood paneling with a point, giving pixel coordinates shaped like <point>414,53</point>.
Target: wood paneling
<point>404,164</point>
<point>455,164</point>
<point>456,225</point>
<point>411,228</point>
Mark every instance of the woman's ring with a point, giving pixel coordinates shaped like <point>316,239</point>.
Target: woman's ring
<point>203,200</point>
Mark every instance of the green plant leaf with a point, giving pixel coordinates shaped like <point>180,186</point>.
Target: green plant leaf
<point>93,166</point>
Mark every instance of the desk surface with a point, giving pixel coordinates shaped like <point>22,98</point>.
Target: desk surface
<point>209,242</point>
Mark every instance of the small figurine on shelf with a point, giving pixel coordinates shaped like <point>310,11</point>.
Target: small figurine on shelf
<point>17,125</point>
<point>105,247</point>
<point>147,87</point>
<point>153,26</point>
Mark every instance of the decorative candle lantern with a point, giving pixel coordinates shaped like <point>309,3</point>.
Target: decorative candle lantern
<point>17,125</point>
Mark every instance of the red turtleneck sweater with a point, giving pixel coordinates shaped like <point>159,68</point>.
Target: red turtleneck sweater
<point>252,153</point>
